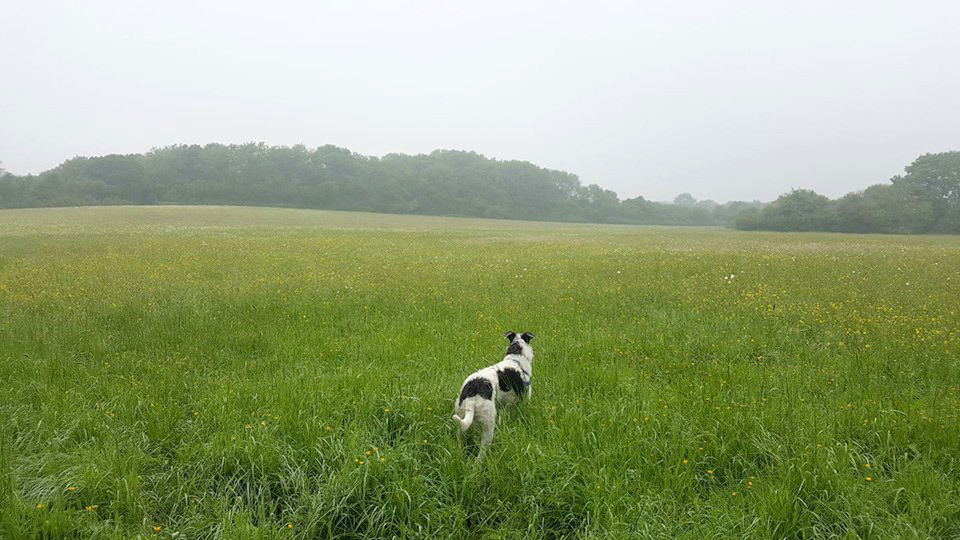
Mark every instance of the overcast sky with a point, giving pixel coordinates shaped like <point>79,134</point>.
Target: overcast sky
<point>724,100</point>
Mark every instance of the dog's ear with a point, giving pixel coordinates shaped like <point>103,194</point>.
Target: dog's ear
<point>510,335</point>
<point>527,336</point>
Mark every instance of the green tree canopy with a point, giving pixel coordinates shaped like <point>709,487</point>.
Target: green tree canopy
<point>925,199</point>
<point>444,182</point>
<point>935,179</point>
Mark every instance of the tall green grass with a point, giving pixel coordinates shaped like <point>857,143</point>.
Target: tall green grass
<point>251,373</point>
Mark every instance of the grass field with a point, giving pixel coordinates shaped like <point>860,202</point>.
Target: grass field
<point>264,373</point>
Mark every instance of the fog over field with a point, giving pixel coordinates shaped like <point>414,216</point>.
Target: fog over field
<point>727,101</point>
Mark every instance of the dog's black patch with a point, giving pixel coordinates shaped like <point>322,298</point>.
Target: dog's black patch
<point>477,387</point>
<point>527,336</point>
<point>510,335</point>
<point>510,380</point>
<point>515,348</point>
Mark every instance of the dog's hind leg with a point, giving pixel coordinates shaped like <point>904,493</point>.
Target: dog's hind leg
<point>490,424</point>
<point>486,438</point>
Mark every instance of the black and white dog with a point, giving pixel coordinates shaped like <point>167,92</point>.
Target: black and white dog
<point>505,382</point>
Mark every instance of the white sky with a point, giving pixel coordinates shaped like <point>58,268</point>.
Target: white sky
<point>725,100</point>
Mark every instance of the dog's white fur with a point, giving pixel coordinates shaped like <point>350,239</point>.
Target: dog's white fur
<point>508,381</point>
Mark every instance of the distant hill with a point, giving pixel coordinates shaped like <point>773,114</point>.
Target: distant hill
<point>444,182</point>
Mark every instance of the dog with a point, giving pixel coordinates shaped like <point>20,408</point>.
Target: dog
<point>503,383</point>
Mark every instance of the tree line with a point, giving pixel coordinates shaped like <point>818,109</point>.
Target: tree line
<point>925,199</point>
<point>444,182</point>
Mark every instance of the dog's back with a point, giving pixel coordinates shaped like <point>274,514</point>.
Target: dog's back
<point>502,383</point>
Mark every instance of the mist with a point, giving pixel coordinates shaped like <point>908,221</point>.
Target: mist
<point>731,101</point>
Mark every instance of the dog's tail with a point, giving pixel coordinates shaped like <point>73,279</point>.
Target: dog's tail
<point>467,417</point>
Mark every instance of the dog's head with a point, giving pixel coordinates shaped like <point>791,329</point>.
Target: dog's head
<point>519,344</point>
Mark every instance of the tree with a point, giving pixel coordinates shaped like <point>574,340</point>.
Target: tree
<point>799,210</point>
<point>685,199</point>
<point>883,208</point>
<point>935,179</point>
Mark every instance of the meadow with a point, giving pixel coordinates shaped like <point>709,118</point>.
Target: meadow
<point>206,372</point>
